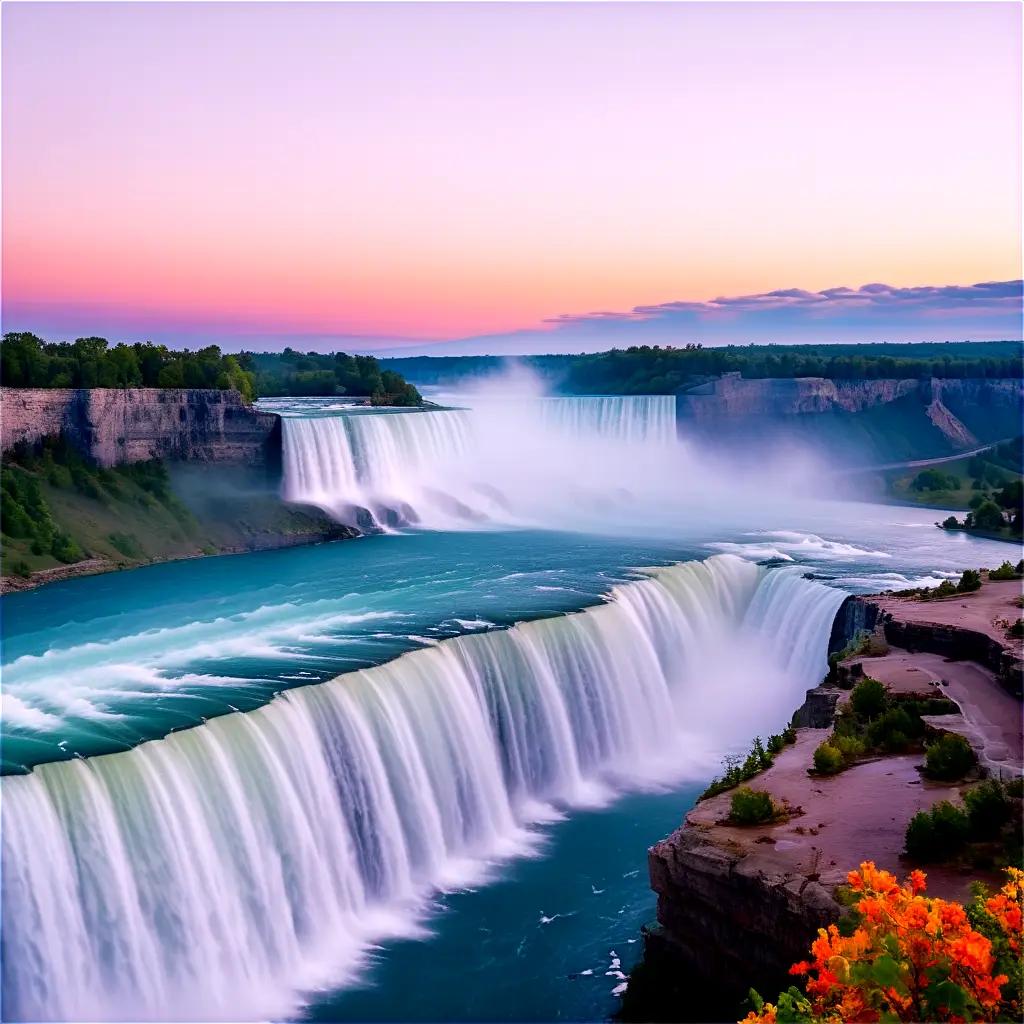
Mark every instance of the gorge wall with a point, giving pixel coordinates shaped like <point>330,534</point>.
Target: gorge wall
<point>115,426</point>
<point>884,419</point>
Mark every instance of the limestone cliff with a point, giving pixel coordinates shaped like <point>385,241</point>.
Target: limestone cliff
<point>883,419</point>
<point>115,426</point>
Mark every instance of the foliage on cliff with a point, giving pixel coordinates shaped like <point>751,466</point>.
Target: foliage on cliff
<point>904,956</point>
<point>876,721</point>
<point>315,373</point>
<point>41,484</point>
<point>28,361</point>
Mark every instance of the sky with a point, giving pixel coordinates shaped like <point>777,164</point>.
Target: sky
<point>511,177</point>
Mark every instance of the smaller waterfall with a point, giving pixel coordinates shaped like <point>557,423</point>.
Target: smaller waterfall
<point>633,419</point>
<point>501,462</point>
<point>372,469</point>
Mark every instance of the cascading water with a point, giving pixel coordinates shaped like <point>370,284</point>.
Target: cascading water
<point>499,462</point>
<point>382,463</point>
<point>221,871</point>
<point>634,419</point>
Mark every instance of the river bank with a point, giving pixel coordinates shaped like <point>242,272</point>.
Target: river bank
<point>738,904</point>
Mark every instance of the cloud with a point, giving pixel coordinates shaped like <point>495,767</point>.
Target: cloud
<point>873,312</point>
<point>984,299</point>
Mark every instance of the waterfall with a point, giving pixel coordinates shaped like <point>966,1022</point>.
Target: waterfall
<point>450,469</point>
<point>635,419</point>
<point>222,871</point>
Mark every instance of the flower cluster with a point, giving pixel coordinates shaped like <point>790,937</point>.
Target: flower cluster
<point>910,957</point>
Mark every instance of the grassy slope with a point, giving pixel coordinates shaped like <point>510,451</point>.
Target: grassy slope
<point>898,483</point>
<point>211,509</point>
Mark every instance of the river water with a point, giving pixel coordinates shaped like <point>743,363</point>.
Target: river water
<point>414,776</point>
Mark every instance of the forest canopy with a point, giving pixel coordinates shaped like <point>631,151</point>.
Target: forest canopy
<point>655,370</point>
<point>28,361</point>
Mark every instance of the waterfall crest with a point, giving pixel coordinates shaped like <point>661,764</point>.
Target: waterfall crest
<point>455,468</point>
<point>221,871</point>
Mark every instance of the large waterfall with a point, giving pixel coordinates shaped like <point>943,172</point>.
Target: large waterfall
<point>499,462</point>
<point>221,871</point>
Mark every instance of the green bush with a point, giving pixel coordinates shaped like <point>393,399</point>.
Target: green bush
<point>988,809</point>
<point>894,731</point>
<point>988,516</point>
<point>64,549</point>
<point>751,807</point>
<point>1004,572</point>
<point>969,581</point>
<point>828,759</point>
<point>850,747</point>
<point>868,698</point>
<point>937,834</point>
<point>949,758</point>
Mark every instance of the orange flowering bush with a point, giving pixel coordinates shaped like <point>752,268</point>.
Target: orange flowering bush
<point>910,957</point>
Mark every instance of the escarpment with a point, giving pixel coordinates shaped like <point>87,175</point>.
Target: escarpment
<point>116,426</point>
<point>738,904</point>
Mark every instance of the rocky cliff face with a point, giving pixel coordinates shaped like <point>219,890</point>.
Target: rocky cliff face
<point>114,426</point>
<point>955,413</point>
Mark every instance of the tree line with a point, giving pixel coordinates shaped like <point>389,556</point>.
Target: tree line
<point>656,370</point>
<point>27,361</point>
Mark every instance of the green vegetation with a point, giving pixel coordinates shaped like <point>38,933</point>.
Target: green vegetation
<point>938,834</point>
<point>828,760</point>
<point>965,483</point>
<point>760,757</point>
<point>314,373</point>
<point>969,582</point>
<point>59,509</point>
<point>949,758</point>
<point>657,370</point>
<point>751,807</point>
<point>869,698</point>
<point>28,361</point>
<point>875,721</point>
<point>985,831</point>
<point>1007,571</point>
<point>934,480</point>
<point>40,483</point>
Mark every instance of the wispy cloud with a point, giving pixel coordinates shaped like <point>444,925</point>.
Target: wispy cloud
<point>873,312</point>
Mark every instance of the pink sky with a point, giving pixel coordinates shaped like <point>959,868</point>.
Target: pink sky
<point>437,171</point>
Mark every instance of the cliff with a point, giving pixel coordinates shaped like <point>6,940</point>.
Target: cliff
<point>737,905</point>
<point>116,426</point>
<point>869,419</point>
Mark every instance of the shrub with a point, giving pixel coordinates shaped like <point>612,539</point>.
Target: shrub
<point>869,698</point>
<point>850,747</point>
<point>64,549</point>
<point>949,758</point>
<point>969,581</point>
<point>938,834</point>
<point>1004,572</point>
<point>828,759</point>
<point>751,807</point>
<point>1016,631</point>
<point>909,957</point>
<point>988,516</point>
<point>934,480</point>
<point>988,809</point>
<point>951,523</point>
<point>894,731</point>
